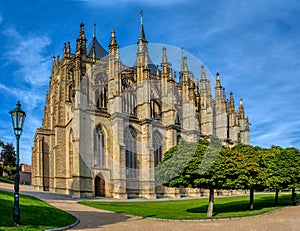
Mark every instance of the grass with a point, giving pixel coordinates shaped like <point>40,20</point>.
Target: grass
<point>5,179</point>
<point>225,207</point>
<point>35,214</point>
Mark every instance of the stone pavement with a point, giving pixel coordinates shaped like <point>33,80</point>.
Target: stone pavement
<point>94,219</point>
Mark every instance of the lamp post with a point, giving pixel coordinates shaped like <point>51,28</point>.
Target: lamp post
<point>18,117</point>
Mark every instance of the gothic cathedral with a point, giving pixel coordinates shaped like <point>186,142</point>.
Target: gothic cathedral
<point>107,125</point>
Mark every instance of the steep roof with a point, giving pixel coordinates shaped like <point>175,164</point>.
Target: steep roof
<point>99,50</point>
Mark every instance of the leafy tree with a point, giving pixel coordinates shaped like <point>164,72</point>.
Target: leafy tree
<point>292,161</point>
<point>251,175</point>
<point>172,170</point>
<point>209,174</point>
<point>8,158</point>
<point>195,167</point>
<point>277,166</point>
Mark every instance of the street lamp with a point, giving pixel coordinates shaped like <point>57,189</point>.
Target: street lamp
<point>18,117</point>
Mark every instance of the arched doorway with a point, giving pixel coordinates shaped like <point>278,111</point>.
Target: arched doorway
<point>99,186</point>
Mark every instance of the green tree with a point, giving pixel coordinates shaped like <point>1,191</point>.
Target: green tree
<point>292,161</point>
<point>8,158</point>
<point>277,168</point>
<point>193,166</point>
<point>250,174</point>
<point>208,173</point>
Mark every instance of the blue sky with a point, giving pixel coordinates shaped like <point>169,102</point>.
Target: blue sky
<point>253,44</point>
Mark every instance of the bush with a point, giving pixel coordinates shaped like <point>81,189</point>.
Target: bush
<point>10,170</point>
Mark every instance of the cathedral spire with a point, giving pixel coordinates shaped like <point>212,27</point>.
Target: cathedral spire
<point>184,64</point>
<point>184,70</point>
<point>203,76</point>
<point>242,111</point>
<point>164,56</point>
<point>113,45</point>
<point>218,82</point>
<point>164,62</point>
<point>81,41</point>
<point>203,80</point>
<point>231,102</point>
<point>142,32</point>
<point>94,34</point>
<point>218,88</point>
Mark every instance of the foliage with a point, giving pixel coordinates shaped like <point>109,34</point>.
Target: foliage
<point>172,170</point>
<point>243,166</point>
<point>250,174</point>
<point>35,214</point>
<point>8,158</point>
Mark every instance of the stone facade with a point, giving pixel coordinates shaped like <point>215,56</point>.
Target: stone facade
<point>107,125</point>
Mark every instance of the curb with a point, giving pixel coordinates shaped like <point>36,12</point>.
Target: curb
<point>202,220</point>
<point>66,227</point>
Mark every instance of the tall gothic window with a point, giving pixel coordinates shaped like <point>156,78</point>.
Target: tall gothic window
<point>129,102</point>
<point>101,100</point>
<point>157,145</point>
<point>70,83</point>
<point>128,96</point>
<point>155,110</point>
<point>101,91</point>
<point>99,146</point>
<point>131,155</point>
<point>71,153</point>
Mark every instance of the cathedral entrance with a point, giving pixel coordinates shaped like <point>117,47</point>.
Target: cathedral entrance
<point>99,186</point>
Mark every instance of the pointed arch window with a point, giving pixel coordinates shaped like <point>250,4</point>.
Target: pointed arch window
<point>131,152</point>
<point>178,119</point>
<point>101,97</point>
<point>101,93</point>
<point>99,147</point>
<point>155,110</point>
<point>129,102</point>
<point>128,96</point>
<point>157,145</point>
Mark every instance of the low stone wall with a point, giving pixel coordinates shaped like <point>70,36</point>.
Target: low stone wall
<point>25,177</point>
<point>162,191</point>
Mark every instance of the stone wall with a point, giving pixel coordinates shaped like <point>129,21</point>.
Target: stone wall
<point>162,191</point>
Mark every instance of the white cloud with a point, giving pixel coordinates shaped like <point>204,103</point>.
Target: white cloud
<point>28,52</point>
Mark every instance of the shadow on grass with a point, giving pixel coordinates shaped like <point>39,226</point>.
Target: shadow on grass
<point>33,212</point>
<point>241,208</point>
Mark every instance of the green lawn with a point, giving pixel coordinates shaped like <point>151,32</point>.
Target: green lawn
<point>225,207</point>
<point>5,179</point>
<point>35,214</point>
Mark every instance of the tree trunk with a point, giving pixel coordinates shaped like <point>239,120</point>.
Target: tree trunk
<point>211,203</point>
<point>251,202</point>
<point>293,194</point>
<point>276,196</point>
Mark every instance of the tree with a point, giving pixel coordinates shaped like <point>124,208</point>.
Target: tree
<point>292,160</point>
<point>251,173</point>
<point>277,167</point>
<point>209,174</point>
<point>8,158</point>
<point>193,166</point>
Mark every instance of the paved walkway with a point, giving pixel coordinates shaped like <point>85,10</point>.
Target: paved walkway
<point>94,219</point>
